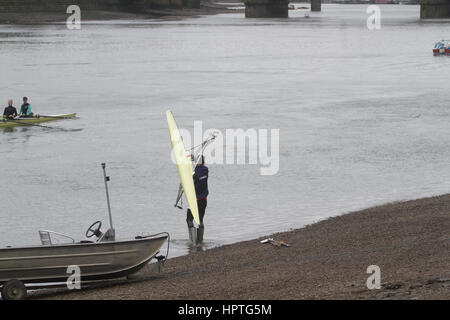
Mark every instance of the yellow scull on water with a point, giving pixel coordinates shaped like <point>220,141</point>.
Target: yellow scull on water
<point>6,123</point>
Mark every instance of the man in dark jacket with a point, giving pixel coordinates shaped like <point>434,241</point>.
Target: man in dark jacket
<point>10,112</point>
<point>201,189</point>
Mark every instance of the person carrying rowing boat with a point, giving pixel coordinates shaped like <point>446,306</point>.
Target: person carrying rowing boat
<point>201,189</point>
<point>10,111</point>
<point>25,109</point>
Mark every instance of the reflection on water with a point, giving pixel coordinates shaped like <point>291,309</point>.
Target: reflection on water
<point>198,248</point>
<point>24,128</point>
<point>191,248</point>
<point>11,130</point>
<point>363,118</point>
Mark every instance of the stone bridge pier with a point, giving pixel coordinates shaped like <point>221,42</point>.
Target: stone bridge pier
<point>434,9</point>
<point>316,5</point>
<point>266,8</point>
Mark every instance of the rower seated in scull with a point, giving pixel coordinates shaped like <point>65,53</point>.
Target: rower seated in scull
<point>25,109</point>
<point>10,111</point>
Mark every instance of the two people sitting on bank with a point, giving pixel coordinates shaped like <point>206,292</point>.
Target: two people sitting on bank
<point>11,112</point>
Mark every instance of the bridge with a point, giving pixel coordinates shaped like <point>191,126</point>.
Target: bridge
<point>429,9</point>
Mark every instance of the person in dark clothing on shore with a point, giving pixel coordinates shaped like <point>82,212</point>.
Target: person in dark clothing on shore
<point>10,112</point>
<point>201,188</point>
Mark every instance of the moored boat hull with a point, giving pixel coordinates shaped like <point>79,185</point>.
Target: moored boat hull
<point>100,260</point>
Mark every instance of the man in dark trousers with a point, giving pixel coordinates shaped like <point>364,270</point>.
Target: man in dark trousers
<point>201,189</point>
<point>10,112</point>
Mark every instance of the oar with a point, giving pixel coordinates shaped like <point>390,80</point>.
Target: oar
<point>205,143</point>
<point>29,124</point>
<point>54,117</point>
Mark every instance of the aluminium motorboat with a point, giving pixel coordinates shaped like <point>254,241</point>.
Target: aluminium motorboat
<point>58,254</point>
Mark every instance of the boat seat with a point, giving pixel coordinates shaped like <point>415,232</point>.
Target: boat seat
<point>46,239</point>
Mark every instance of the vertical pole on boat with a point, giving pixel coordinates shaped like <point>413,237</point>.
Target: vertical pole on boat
<point>107,195</point>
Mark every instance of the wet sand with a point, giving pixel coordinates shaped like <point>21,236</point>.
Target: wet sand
<point>37,18</point>
<point>409,241</point>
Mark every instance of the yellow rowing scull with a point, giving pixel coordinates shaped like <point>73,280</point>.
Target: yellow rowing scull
<point>6,123</point>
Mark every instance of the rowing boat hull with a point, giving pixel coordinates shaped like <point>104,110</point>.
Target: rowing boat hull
<point>36,120</point>
<point>184,166</point>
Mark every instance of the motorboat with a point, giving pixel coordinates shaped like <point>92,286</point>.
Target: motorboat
<point>58,255</point>
<point>441,48</point>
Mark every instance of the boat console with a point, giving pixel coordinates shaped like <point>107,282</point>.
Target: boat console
<point>49,238</point>
<point>95,230</point>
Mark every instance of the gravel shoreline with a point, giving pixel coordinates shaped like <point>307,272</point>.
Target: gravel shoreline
<point>409,241</point>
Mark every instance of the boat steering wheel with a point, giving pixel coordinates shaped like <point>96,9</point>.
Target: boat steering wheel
<point>94,231</point>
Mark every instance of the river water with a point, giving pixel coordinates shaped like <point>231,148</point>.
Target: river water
<point>363,118</point>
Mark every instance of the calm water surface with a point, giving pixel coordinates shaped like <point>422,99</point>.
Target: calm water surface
<point>363,118</point>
